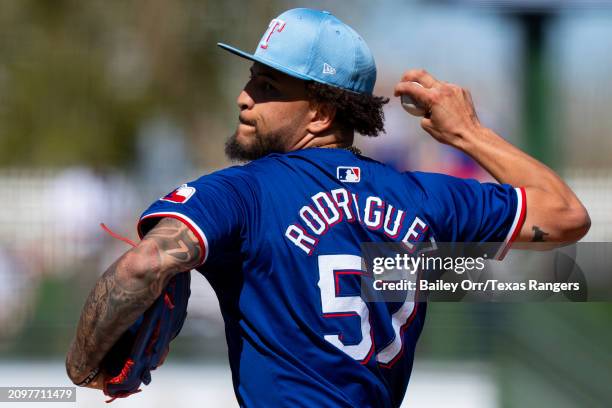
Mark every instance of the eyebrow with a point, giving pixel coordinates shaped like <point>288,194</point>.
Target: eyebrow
<point>264,74</point>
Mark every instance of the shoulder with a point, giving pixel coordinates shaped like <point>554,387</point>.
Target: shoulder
<point>249,172</point>
<point>234,178</point>
<point>436,183</point>
<point>227,173</point>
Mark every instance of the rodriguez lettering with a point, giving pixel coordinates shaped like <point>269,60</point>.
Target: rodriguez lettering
<point>329,208</point>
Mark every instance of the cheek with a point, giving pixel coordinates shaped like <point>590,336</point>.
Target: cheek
<point>290,116</point>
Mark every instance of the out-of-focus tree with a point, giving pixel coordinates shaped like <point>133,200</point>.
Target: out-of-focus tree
<point>77,78</point>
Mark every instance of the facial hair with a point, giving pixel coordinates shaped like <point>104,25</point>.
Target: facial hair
<point>261,146</point>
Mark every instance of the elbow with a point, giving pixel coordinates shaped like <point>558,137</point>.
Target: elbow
<point>578,223</point>
<point>141,267</point>
<point>585,223</point>
<point>140,263</point>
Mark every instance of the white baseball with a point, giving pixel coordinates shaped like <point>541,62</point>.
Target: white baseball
<point>411,106</point>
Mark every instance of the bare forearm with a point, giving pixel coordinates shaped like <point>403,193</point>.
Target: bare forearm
<point>115,302</point>
<point>511,165</point>
<point>553,214</point>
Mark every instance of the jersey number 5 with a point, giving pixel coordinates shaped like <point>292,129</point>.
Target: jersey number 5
<point>334,306</point>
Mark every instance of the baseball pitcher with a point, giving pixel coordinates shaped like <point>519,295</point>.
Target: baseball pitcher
<point>279,238</point>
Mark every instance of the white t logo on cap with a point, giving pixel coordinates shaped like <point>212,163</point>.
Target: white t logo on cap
<point>275,25</point>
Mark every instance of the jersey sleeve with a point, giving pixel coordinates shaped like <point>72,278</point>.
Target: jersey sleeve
<point>214,207</point>
<point>466,210</point>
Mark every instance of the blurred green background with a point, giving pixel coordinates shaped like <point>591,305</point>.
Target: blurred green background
<point>105,106</point>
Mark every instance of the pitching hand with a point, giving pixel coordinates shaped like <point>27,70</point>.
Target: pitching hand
<point>450,110</point>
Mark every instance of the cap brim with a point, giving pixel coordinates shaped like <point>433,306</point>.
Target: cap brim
<point>263,61</point>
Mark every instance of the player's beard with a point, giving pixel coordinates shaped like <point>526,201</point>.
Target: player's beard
<point>261,146</point>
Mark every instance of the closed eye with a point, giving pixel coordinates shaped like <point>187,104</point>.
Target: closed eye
<point>265,84</point>
<point>268,87</point>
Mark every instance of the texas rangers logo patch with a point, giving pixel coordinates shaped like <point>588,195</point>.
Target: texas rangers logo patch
<point>348,174</point>
<point>275,25</point>
<point>180,195</point>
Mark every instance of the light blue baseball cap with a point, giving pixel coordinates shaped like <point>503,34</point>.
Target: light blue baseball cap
<point>315,45</point>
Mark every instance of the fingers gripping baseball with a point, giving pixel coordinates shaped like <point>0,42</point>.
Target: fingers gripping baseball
<point>449,108</point>
<point>452,114</point>
<point>421,76</point>
<point>414,97</point>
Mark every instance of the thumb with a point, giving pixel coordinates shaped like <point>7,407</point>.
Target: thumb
<point>427,125</point>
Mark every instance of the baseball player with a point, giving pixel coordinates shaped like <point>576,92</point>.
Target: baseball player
<point>279,238</point>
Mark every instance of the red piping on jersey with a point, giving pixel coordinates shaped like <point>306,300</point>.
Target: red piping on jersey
<point>347,314</point>
<point>345,272</point>
<point>402,330</point>
<point>519,224</point>
<point>372,348</point>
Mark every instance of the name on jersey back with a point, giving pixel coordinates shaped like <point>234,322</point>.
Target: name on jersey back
<point>329,208</point>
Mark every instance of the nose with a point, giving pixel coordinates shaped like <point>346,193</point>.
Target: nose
<point>244,100</point>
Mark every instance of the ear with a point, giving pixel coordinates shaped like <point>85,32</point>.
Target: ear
<point>322,117</point>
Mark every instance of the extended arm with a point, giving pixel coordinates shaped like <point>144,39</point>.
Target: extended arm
<point>126,290</point>
<point>554,213</point>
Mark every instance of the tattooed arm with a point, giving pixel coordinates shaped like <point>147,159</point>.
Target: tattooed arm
<point>126,290</point>
<point>554,213</point>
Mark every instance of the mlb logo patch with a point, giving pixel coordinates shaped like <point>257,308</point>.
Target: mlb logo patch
<point>348,174</point>
<point>180,195</point>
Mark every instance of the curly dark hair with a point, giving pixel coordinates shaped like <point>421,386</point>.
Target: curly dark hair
<point>355,112</point>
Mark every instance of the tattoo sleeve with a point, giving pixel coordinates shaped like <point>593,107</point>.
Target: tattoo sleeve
<point>127,289</point>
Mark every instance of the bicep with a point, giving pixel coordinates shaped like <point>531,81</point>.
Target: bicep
<point>549,220</point>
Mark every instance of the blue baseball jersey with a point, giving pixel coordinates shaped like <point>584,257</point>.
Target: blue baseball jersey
<point>280,241</point>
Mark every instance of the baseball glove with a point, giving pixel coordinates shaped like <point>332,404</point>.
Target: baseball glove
<point>145,345</point>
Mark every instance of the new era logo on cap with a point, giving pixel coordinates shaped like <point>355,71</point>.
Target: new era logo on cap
<point>328,69</point>
<point>180,195</point>
<point>348,174</point>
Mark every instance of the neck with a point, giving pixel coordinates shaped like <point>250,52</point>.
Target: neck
<point>330,140</point>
